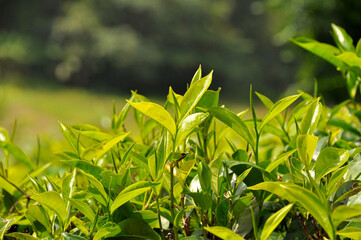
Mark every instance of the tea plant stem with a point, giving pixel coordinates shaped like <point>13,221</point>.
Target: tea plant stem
<point>300,217</point>
<point>94,223</point>
<point>172,200</point>
<point>19,189</point>
<point>158,214</point>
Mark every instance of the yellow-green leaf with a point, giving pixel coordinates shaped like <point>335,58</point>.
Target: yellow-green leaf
<point>274,221</point>
<point>156,112</point>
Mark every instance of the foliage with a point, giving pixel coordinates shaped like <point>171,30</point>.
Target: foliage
<point>198,171</point>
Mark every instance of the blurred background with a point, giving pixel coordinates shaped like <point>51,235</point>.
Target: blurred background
<point>67,60</point>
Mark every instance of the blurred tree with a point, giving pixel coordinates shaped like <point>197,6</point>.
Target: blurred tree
<point>149,45</point>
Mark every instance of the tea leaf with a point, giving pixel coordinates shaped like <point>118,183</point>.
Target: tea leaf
<point>344,212</point>
<point>68,236</point>
<point>197,75</point>
<point>342,39</point>
<point>274,221</point>
<point>279,160</point>
<point>188,125</point>
<point>306,146</point>
<point>304,197</point>
<point>350,232</point>
<point>131,192</point>
<point>53,201</point>
<point>16,152</point>
<point>86,167</point>
<point>156,112</point>
<point>84,208</point>
<point>224,233</point>
<point>329,160</point>
<point>325,51</point>
<point>352,60</point>
<point>277,108</point>
<point>311,117</point>
<point>232,121</point>
<point>194,94</point>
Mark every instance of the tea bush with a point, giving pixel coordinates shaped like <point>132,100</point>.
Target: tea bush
<point>199,170</point>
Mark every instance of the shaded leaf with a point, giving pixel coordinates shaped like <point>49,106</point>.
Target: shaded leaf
<point>304,197</point>
<point>274,221</point>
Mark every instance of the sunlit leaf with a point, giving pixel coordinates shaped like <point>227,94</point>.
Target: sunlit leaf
<point>53,201</point>
<point>277,108</point>
<point>156,112</point>
<point>224,233</point>
<point>194,94</point>
<point>306,146</point>
<point>188,125</point>
<point>311,117</point>
<point>325,51</point>
<point>344,212</point>
<point>329,160</point>
<point>131,192</point>
<point>234,122</point>
<point>342,39</point>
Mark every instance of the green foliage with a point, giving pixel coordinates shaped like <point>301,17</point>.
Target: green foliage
<point>189,177</point>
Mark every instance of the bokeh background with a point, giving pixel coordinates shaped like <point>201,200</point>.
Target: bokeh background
<point>67,60</point>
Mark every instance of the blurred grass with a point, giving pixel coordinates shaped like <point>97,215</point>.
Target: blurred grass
<point>39,108</point>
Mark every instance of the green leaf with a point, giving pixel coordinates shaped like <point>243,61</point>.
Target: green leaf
<point>130,230</point>
<point>344,125</point>
<point>16,152</point>
<point>86,166</point>
<point>358,48</point>
<point>73,140</point>
<point>84,208</point>
<point>223,233</point>
<point>108,230</point>
<point>352,61</point>
<point>279,160</point>
<point>205,176</point>
<point>5,224</point>
<point>156,112</point>
<point>308,200</point>
<point>234,122</point>
<point>150,217</point>
<point>222,210</point>
<point>38,213</point>
<point>350,232</point>
<point>329,160</point>
<point>97,189</point>
<point>274,221</point>
<point>306,146</point>
<point>68,236</point>
<point>53,201</point>
<point>209,99</point>
<point>202,200</point>
<point>215,167</point>
<point>131,192</point>
<point>197,75</point>
<point>342,39</point>
<point>96,153</point>
<point>324,51</point>
<point>277,108</point>
<point>20,236</point>
<point>344,212</point>
<point>311,117</point>
<point>194,94</point>
<point>188,125</point>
